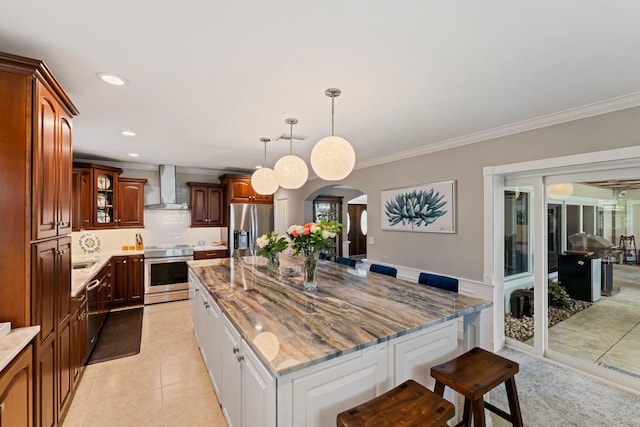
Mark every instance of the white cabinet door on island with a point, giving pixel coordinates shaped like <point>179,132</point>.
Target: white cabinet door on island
<point>247,392</point>
<point>230,391</point>
<point>212,334</point>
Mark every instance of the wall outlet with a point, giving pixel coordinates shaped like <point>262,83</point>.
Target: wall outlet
<point>371,240</point>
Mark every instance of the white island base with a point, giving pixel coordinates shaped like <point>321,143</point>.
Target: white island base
<point>258,387</point>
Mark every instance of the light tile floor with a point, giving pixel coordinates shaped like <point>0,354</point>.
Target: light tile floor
<point>165,385</point>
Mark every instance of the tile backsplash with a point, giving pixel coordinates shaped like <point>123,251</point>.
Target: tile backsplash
<point>161,227</point>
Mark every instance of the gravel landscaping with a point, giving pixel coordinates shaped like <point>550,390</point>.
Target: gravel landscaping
<point>522,329</point>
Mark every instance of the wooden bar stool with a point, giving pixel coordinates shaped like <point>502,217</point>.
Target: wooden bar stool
<point>407,405</point>
<point>473,375</point>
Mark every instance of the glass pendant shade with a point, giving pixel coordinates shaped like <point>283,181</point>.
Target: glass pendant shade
<point>291,172</point>
<point>333,158</point>
<point>264,181</point>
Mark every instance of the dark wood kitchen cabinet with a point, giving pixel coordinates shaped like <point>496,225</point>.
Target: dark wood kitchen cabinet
<point>208,208</point>
<point>51,309</point>
<point>16,391</point>
<point>51,175</point>
<point>81,200</point>
<point>128,280</point>
<point>103,199</point>
<point>130,207</point>
<point>239,190</point>
<point>78,336</point>
<point>212,254</point>
<point>36,177</point>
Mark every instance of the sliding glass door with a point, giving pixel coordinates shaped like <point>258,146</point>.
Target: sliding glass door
<point>524,267</point>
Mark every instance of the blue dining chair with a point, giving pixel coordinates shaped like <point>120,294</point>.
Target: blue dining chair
<point>437,281</point>
<point>383,269</point>
<point>346,261</point>
<point>322,255</point>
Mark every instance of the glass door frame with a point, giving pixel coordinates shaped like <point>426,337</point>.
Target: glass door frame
<point>537,258</point>
<point>623,163</point>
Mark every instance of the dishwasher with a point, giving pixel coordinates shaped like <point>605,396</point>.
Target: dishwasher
<point>93,314</point>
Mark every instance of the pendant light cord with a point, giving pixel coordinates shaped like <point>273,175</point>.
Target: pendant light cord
<point>265,155</point>
<point>291,141</point>
<point>332,102</point>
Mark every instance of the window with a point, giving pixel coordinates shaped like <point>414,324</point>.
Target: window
<point>516,232</point>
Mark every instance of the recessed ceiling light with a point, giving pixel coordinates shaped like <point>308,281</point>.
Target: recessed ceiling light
<point>258,167</point>
<point>112,79</point>
<point>128,133</point>
<point>134,155</point>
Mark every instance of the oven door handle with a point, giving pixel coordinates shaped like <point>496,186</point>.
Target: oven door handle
<point>94,284</point>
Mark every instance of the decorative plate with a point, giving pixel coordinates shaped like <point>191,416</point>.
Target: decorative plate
<point>89,242</point>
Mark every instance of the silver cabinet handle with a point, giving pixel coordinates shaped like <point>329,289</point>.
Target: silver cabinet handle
<point>94,284</point>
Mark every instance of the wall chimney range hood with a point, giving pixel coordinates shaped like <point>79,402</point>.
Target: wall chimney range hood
<point>168,199</point>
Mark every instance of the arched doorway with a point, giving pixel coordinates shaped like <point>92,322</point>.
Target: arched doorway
<point>352,212</point>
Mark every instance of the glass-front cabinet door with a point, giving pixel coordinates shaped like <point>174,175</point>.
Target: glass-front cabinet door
<point>105,184</point>
<point>330,209</point>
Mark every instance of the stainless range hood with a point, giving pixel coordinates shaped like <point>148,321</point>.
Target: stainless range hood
<point>168,199</point>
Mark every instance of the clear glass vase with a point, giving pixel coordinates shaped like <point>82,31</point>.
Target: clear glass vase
<point>310,264</point>
<point>273,261</point>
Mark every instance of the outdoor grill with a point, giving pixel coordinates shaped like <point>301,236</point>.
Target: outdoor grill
<point>583,242</point>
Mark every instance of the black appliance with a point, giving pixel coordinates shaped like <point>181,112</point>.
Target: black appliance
<point>580,275</point>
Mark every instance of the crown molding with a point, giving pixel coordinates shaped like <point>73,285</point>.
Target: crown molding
<point>594,109</point>
<point>152,167</point>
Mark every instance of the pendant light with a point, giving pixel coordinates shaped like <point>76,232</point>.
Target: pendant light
<point>263,180</point>
<point>333,158</point>
<point>291,171</point>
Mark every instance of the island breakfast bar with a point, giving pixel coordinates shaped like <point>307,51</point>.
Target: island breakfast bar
<point>278,356</point>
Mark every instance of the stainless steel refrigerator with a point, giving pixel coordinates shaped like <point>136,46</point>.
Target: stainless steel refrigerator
<point>247,222</point>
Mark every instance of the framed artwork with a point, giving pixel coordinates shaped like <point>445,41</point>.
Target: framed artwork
<point>427,208</point>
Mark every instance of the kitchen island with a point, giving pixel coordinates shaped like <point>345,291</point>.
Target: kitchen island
<point>279,356</point>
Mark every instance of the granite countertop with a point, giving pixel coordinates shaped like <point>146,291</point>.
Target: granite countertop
<point>290,329</point>
<point>13,343</point>
<point>81,277</point>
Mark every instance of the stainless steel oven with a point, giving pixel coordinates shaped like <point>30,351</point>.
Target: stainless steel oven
<point>165,273</point>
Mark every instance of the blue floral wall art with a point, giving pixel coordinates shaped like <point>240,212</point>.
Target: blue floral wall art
<point>427,208</point>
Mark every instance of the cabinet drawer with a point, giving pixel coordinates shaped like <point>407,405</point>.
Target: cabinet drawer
<point>218,253</point>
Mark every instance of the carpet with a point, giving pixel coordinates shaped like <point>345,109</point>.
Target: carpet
<point>120,336</point>
<point>554,396</point>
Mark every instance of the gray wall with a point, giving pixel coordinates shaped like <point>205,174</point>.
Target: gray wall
<point>460,254</point>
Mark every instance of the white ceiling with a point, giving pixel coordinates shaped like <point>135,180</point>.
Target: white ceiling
<point>209,78</point>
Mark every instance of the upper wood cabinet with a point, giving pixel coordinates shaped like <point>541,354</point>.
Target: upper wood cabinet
<point>130,207</point>
<point>51,207</point>
<point>81,200</point>
<point>102,199</point>
<point>208,208</point>
<point>239,190</point>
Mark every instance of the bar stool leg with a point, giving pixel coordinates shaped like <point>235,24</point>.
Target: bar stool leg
<point>466,415</point>
<point>439,389</point>
<point>478,413</point>
<point>514,404</point>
